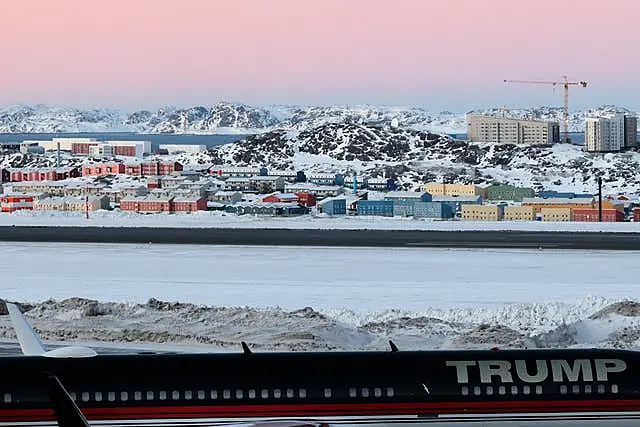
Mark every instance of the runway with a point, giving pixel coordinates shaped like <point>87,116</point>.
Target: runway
<point>339,238</point>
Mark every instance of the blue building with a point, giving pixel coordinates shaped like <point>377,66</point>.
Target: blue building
<point>403,201</point>
<point>456,202</point>
<point>375,207</point>
<point>333,206</point>
<point>434,210</point>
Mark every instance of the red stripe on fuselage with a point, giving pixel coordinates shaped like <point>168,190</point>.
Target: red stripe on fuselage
<point>341,409</point>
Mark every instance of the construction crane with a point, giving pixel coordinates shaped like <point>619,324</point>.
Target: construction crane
<point>565,84</point>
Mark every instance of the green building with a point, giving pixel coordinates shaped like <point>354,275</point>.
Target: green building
<point>508,192</point>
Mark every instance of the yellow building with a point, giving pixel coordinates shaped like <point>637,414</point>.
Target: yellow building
<point>559,202</point>
<point>519,213</point>
<point>557,214</point>
<point>482,212</point>
<point>441,189</point>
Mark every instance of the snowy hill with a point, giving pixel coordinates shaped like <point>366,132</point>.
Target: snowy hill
<point>381,148</point>
<point>219,118</point>
<point>239,118</point>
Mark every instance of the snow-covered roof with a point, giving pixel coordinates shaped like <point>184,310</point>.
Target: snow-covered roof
<point>558,200</point>
<point>404,194</point>
<point>441,198</point>
<point>331,199</point>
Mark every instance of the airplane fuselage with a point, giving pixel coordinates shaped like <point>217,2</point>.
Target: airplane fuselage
<point>430,385</point>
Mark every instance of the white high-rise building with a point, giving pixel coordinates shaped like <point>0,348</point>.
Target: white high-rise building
<point>611,133</point>
<point>502,130</point>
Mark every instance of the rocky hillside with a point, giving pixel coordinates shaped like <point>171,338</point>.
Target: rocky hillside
<point>381,148</point>
<point>219,118</point>
<point>239,118</point>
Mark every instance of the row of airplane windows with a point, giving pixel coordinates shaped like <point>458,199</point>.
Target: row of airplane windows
<point>276,393</point>
<point>527,390</point>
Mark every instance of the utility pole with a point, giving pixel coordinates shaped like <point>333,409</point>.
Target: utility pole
<point>86,201</point>
<point>599,199</point>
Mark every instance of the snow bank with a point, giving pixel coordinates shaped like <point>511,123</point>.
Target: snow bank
<point>207,219</point>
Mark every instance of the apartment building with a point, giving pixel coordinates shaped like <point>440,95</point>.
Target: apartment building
<point>557,214</point>
<point>610,133</point>
<point>519,213</point>
<point>503,130</point>
<point>441,189</point>
<point>482,212</point>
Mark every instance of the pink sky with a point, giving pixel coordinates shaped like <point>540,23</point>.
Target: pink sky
<point>440,54</point>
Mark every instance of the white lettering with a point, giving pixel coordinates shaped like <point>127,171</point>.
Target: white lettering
<point>558,367</point>
<point>541,371</point>
<point>461,369</point>
<point>489,368</point>
<point>606,366</point>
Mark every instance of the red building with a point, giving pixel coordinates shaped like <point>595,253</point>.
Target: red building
<point>45,174</point>
<point>591,215</point>
<point>133,169</point>
<point>16,202</point>
<point>5,175</point>
<point>636,214</point>
<point>124,150</point>
<point>189,204</point>
<point>280,198</point>
<point>153,168</point>
<point>306,199</point>
<point>147,204</point>
<point>100,169</point>
<point>82,147</point>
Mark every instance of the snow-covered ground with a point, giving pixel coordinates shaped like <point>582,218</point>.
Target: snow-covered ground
<point>325,298</point>
<point>206,219</point>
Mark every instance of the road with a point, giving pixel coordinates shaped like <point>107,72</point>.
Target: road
<point>339,238</point>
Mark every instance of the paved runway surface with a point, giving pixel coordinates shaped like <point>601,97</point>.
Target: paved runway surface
<point>343,238</point>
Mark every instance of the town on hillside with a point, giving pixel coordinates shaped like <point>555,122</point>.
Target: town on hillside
<point>126,176</point>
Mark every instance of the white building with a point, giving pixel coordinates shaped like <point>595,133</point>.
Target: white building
<point>102,150</point>
<point>610,133</point>
<point>183,148</point>
<point>65,143</point>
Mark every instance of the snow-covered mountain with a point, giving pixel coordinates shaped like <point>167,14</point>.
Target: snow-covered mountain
<point>239,118</point>
<point>219,118</point>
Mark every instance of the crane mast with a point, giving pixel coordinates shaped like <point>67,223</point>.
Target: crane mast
<point>565,85</point>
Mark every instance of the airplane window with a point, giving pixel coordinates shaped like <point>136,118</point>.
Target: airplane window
<point>277,394</point>
<point>352,392</point>
<point>502,390</point>
<point>489,390</point>
<point>563,389</point>
<point>477,391</point>
<point>327,392</point>
<point>124,396</point>
<point>526,389</point>
<point>226,394</point>
<point>252,394</point>
<point>111,396</point>
<point>175,395</point>
<point>365,392</point>
<point>7,398</point>
<point>289,393</point>
<point>390,391</point>
<point>575,389</point>
<point>162,395</point>
<point>601,388</point>
<point>465,391</point>
<point>137,395</point>
<point>514,389</point>
<point>201,394</point>
<point>614,388</point>
<point>214,394</point>
<point>264,393</point>
<point>238,394</point>
<point>587,389</point>
<point>188,395</point>
<point>303,393</point>
<point>377,392</point>
<point>85,396</point>
<point>98,396</point>
<point>538,389</point>
<point>73,396</point>
<point>149,395</point>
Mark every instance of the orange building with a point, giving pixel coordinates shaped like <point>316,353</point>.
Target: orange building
<point>16,202</point>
